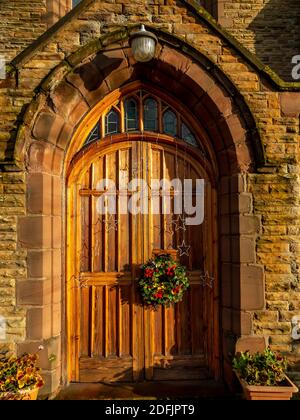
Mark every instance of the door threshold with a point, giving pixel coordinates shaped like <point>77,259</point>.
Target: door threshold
<point>158,390</point>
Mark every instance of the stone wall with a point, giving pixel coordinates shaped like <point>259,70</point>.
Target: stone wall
<point>261,228</point>
<point>22,22</point>
<point>268,28</point>
<point>12,259</point>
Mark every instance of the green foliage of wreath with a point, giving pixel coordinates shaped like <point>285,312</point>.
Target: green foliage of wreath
<point>163,281</point>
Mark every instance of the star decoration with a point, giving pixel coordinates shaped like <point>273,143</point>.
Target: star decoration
<point>184,249</point>
<point>179,223</point>
<point>81,283</point>
<point>111,223</point>
<point>206,279</point>
<point>168,229</point>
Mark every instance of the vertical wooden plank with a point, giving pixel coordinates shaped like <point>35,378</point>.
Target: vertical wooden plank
<point>77,297</point>
<point>147,251</point>
<point>119,322</point>
<point>196,295</point>
<point>137,311</point>
<point>91,221</point>
<point>105,221</point>
<point>73,267</point>
<point>124,219</point>
<point>126,328</point>
<point>165,331</point>
<point>112,228</point>
<point>171,348</point>
<point>85,234</point>
<point>156,218</point>
<point>99,328</point>
<point>106,321</point>
<point>157,333</point>
<point>112,314</point>
<point>179,233</point>
<point>98,175</point>
<point>92,321</point>
<point>169,174</point>
<point>185,325</point>
<point>85,322</point>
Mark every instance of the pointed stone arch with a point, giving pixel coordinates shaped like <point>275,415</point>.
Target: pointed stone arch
<point>65,104</point>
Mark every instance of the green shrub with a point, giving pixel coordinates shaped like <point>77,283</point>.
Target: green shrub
<point>266,368</point>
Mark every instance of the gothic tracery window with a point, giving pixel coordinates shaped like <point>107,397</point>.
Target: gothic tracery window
<point>112,122</point>
<point>150,115</point>
<point>131,115</point>
<point>141,112</point>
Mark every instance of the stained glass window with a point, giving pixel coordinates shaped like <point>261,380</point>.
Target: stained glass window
<point>131,115</point>
<point>75,2</point>
<point>112,122</point>
<point>150,114</point>
<point>188,136</point>
<point>94,135</point>
<point>141,110</point>
<point>170,123</point>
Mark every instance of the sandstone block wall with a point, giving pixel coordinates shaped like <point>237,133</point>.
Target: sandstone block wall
<point>268,28</point>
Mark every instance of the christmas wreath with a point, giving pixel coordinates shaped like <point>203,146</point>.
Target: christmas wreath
<point>163,281</point>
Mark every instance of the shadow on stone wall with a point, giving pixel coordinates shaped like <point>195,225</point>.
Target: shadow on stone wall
<point>276,31</point>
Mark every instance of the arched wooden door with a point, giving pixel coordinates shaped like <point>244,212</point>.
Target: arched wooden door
<point>112,336</point>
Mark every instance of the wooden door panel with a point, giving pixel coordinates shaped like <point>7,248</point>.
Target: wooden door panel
<point>179,337</point>
<point>106,328</point>
<point>178,331</point>
<point>118,338</point>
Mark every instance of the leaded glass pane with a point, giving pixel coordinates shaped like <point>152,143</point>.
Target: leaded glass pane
<point>150,115</point>
<point>112,122</point>
<point>75,2</point>
<point>170,123</point>
<point>131,115</point>
<point>187,136</point>
<point>94,135</point>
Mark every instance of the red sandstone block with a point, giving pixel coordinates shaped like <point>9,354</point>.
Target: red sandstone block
<point>65,136</point>
<point>56,232</point>
<point>226,285</point>
<point>38,325</point>
<point>118,77</point>
<point>39,263</point>
<point>200,77</point>
<point>56,196</point>
<point>65,98</point>
<point>290,103</point>
<point>253,344</point>
<point>241,323</point>
<point>56,318</point>
<point>34,292</point>
<point>35,232</point>
<point>48,127</point>
<point>174,59</point>
<point>252,292</point>
<point>39,193</point>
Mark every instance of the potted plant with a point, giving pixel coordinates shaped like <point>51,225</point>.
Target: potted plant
<point>20,378</point>
<point>262,375</point>
<point>163,281</point>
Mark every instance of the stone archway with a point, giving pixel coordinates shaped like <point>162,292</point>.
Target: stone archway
<point>45,146</point>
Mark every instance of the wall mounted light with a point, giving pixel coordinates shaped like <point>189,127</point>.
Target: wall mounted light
<point>143,44</point>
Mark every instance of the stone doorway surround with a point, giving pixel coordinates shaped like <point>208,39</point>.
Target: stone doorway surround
<point>45,148</point>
